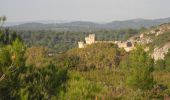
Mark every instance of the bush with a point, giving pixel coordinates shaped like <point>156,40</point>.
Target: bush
<point>95,56</point>
<point>160,65</point>
<point>18,81</point>
<point>34,83</point>
<point>167,61</point>
<point>78,88</point>
<point>139,69</point>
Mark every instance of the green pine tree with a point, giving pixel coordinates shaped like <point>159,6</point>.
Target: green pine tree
<point>140,69</point>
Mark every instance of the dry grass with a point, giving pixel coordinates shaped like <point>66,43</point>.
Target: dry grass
<point>162,77</point>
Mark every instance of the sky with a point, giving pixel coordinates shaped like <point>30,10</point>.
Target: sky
<point>83,10</point>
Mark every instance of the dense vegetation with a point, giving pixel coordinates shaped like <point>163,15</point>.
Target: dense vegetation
<point>163,64</point>
<point>62,41</point>
<point>160,40</point>
<point>100,71</point>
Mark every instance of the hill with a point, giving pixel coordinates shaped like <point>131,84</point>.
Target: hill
<point>86,25</point>
<point>157,39</point>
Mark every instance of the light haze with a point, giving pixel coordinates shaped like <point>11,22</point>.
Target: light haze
<point>83,10</point>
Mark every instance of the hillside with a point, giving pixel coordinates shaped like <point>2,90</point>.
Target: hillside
<point>157,39</point>
<point>98,71</point>
<point>85,25</point>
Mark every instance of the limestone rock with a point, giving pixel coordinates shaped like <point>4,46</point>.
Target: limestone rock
<point>159,53</point>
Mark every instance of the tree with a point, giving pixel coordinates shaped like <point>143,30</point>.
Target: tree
<point>167,61</point>
<point>99,56</point>
<point>2,20</point>
<point>42,83</point>
<point>5,36</point>
<point>38,56</point>
<point>18,81</point>
<point>11,64</point>
<point>160,65</point>
<point>140,68</point>
<point>78,88</point>
<point>18,51</point>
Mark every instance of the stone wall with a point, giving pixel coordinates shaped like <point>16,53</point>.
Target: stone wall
<point>127,45</point>
<point>81,44</point>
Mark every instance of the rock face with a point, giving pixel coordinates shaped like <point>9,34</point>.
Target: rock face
<point>160,30</point>
<point>147,37</point>
<point>127,45</point>
<point>145,40</point>
<point>159,53</point>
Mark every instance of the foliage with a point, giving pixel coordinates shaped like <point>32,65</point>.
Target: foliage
<point>160,40</point>
<point>42,83</point>
<point>167,61</point>
<point>38,56</point>
<point>18,51</point>
<point>62,41</point>
<point>164,64</point>
<point>2,20</point>
<point>28,82</point>
<point>7,37</point>
<point>11,57</point>
<point>5,58</point>
<point>34,83</point>
<point>160,65</point>
<point>80,88</point>
<point>97,56</point>
<point>99,71</point>
<point>140,68</point>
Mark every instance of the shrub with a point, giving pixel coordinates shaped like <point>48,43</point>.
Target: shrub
<point>140,68</point>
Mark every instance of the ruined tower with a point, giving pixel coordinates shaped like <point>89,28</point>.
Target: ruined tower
<point>90,39</point>
<point>81,44</point>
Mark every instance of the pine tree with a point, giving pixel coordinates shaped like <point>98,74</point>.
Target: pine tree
<point>140,69</point>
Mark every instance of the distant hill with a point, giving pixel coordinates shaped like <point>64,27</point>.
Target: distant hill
<point>85,25</point>
<point>137,23</point>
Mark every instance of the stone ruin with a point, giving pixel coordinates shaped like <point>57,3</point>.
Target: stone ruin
<point>158,53</point>
<point>127,45</point>
<point>88,40</point>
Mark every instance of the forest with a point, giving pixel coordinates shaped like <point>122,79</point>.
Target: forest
<point>62,41</point>
<point>47,65</point>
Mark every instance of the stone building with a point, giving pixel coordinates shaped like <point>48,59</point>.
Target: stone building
<point>81,44</point>
<point>90,39</point>
<point>127,45</point>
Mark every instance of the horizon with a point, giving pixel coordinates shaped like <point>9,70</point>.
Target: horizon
<point>69,21</point>
<point>79,10</point>
<point>7,23</point>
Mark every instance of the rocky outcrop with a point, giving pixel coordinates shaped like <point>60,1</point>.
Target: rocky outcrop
<point>160,30</point>
<point>159,53</point>
<point>146,40</point>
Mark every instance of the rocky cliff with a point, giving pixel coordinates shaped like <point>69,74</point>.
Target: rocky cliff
<point>157,39</point>
<point>160,52</point>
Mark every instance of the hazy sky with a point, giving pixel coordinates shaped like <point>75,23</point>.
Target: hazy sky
<point>86,10</point>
